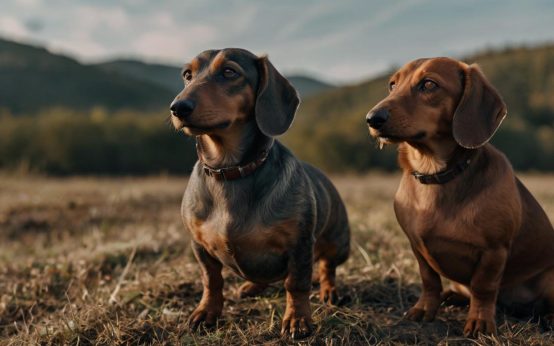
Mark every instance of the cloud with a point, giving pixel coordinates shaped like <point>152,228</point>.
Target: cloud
<point>13,27</point>
<point>91,19</point>
<point>162,20</point>
<point>343,41</point>
<point>78,44</point>
<point>178,45</point>
<point>28,3</point>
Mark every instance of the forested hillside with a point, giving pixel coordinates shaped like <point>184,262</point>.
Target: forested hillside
<point>62,117</point>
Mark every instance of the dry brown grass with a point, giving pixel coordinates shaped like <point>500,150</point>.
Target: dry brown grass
<point>68,245</point>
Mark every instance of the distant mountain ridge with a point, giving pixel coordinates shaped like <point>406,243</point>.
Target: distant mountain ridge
<point>166,76</point>
<point>33,79</point>
<point>308,86</point>
<point>169,76</point>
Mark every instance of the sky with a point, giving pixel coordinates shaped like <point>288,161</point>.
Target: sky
<point>339,41</point>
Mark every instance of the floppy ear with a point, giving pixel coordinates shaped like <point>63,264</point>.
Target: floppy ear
<point>276,102</point>
<point>480,111</point>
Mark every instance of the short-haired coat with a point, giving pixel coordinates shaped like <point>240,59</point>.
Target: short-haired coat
<point>250,205</point>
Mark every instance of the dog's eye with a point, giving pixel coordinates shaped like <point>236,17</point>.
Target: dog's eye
<point>428,85</point>
<point>187,75</point>
<point>229,73</point>
<point>392,85</point>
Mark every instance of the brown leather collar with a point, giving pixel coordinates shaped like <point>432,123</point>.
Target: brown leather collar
<point>444,176</point>
<point>237,172</point>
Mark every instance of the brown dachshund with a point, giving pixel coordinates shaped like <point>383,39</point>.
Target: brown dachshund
<point>250,204</point>
<point>467,216</point>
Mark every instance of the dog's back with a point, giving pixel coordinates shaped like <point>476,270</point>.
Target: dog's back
<point>532,249</point>
<point>333,230</point>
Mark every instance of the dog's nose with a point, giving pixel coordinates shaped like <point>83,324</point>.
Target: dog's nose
<point>377,118</point>
<point>182,108</point>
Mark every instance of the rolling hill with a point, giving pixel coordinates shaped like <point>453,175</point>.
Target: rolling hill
<point>165,76</point>
<point>32,79</point>
<point>308,86</point>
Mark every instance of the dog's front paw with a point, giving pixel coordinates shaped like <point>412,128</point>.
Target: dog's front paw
<point>206,314</point>
<point>328,294</point>
<point>251,289</point>
<point>424,310</point>
<point>297,325</point>
<point>474,326</point>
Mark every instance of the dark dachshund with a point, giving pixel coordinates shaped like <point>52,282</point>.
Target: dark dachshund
<point>250,204</point>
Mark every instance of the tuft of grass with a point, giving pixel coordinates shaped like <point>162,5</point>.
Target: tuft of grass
<point>106,261</point>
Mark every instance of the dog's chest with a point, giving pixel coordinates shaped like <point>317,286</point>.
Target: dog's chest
<point>452,258</point>
<point>254,251</point>
<point>211,234</point>
<point>446,244</point>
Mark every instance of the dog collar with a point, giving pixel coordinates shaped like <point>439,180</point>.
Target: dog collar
<point>236,172</point>
<point>444,176</point>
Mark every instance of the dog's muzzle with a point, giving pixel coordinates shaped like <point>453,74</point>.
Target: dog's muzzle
<point>377,118</point>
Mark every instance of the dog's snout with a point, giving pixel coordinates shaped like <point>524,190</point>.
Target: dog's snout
<point>182,108</point>
<point>377,118</point>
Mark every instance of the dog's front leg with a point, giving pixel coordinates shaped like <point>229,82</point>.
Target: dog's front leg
<point>211,304</point>
<point>429,301</point>
<point>484,287</point>
<point>297,320</point>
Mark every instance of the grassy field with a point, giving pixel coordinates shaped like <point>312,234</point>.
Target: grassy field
<point>106,261</point>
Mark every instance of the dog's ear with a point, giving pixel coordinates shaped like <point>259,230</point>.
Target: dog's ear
<point>480,111</point>
<point>276,102</point>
